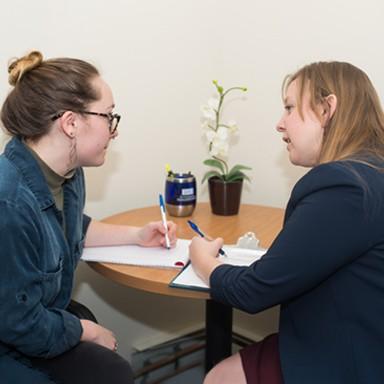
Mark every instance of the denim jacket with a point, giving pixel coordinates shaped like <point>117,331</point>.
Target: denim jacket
<point>37,260</point>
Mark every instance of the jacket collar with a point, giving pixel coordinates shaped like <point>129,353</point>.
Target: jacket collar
<point>16,152</point>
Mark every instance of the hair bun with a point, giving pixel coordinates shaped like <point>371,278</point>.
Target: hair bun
<point>18,67</point>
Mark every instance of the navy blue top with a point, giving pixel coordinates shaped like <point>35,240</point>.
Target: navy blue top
<point>326,269</point>
<point>37,260</point>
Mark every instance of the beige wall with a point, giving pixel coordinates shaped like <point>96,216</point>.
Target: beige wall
<point>160,57</point>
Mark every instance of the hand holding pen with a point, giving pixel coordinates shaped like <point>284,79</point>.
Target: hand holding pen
<point>200,233</point>
<point>153,234</point>
<point>164,220</point>
<point>203,256</point>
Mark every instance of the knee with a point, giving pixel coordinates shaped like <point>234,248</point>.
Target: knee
<point>228,371</point>
<point>100,365</point>
<point>215,375</point>
<point>119,370</point>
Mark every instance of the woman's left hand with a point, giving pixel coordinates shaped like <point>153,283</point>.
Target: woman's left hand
<point>153,234</point>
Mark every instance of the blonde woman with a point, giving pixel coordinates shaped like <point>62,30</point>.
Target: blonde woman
<point>326,267</point>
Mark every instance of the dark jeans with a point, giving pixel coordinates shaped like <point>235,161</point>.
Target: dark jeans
<point>86,363</point>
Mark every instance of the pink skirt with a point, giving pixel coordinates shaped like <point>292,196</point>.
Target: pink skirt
<point>261,361</point>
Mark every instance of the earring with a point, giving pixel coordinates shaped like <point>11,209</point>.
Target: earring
<point>72,155</point>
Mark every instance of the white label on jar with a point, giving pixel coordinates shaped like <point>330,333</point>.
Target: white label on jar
<point>187,191</point>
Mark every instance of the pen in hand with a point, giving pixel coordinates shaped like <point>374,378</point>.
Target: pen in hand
<point>164,220</point>
<point>198,231</point>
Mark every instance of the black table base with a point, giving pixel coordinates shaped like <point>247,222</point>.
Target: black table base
<point>218,320</point>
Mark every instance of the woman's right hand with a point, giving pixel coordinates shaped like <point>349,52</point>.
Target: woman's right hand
<point>203,255</point>
<point>97,334</point>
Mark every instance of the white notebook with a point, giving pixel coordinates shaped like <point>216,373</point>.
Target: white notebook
<point>188,279</point>
<point>176,257</point>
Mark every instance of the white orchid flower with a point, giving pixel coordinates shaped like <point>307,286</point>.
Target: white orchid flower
<point>224,149</point>
<point>218,135</point>
<point>218,139</point>
<point>222,133</point>
<point>232,126</point>
<point>209,110</point>
<point>214,151</point>
<point>210,135</point>
<point>219,148</point>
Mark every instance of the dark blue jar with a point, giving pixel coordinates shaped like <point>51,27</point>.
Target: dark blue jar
<point>180,194</point>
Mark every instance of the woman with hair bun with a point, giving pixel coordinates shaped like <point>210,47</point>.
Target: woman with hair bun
<point>326,266</point>
<point>60,117</point>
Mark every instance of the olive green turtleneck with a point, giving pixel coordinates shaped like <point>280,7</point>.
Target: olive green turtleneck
<point>55,182</point>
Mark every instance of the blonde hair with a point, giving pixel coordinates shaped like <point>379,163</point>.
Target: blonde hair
<point>42,89</point>
<point>17,67</point>
<point>356,129</point>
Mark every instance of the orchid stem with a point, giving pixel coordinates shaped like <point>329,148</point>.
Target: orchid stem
<point>223,162</point>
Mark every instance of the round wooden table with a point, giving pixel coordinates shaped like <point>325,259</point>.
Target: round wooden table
<point>265,222</point>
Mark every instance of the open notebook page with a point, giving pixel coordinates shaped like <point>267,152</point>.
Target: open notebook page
<point>176,257</point>
<point>188,279</point>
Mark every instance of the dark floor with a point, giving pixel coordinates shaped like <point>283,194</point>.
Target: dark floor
<point>177,361</point>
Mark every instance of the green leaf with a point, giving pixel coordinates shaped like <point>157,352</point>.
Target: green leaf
<point>210,174</point>
<point>237,176</point>
<point>238,169</point>
<point>215,163</point>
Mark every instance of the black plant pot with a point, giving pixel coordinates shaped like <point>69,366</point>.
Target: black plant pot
<point>225,196</point>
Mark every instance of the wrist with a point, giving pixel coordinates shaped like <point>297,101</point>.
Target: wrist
<point>207,269</point>
<point>212,266</point>
<point>133,235</point>
<point>88,333</point>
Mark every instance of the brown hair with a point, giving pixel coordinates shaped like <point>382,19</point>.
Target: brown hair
<point>356,129</point>
<point>42,89</point>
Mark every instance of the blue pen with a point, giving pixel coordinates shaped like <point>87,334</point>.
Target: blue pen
<point>164,220</point>
<point>198,231</point>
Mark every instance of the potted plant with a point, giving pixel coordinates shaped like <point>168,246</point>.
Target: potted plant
<point>224,183</point>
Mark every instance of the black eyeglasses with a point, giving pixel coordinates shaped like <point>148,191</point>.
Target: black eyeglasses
<point>113,118</point>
